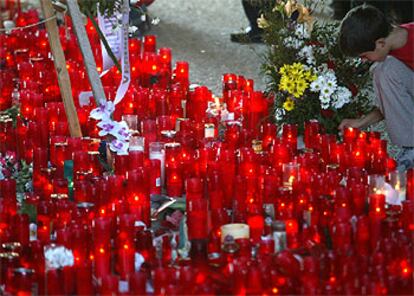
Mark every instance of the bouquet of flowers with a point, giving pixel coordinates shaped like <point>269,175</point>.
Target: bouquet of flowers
<point>11,167</point>
<point>309,77</point>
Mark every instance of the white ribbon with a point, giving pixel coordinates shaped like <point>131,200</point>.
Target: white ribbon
<point>118,42</point>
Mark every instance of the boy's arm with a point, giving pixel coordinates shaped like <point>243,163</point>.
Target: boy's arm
<point>363,122</point>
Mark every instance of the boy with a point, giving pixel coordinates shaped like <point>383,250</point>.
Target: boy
<point>365,32</point>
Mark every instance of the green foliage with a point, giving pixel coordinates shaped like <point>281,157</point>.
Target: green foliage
<point>294,36</point>
<point>23,177</point>
<point>12,113</point>
<point>109,7</point>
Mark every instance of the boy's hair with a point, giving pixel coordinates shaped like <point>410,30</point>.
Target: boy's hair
<point>360,28</point>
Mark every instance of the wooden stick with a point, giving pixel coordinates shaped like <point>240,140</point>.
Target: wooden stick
<point>85,47</point>
<point>60,66</point>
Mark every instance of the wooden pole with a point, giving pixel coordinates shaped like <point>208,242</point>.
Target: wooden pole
<point>60,66</point>
<point>85,47</point>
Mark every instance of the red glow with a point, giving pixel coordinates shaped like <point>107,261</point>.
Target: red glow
<point>275,290</point>
<point>332,279</point>
<point>291,226</point>
<point>281,281</point>
<point>101,250</point>
<point>200,278</point>
<point>405,268</point>
<point>126,247</point>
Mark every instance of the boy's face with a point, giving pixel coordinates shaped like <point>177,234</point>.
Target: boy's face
<point>378,54</point>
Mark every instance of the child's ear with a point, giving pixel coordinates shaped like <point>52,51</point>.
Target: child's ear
<point>380,43</point>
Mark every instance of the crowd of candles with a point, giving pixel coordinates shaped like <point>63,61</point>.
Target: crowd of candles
<point>262,216</point>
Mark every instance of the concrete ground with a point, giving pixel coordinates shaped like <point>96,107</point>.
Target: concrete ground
<point>199,32</point>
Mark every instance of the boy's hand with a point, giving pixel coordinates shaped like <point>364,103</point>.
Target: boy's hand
<point>348,122</point>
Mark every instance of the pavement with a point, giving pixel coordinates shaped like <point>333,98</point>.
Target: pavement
<point>199,32</point>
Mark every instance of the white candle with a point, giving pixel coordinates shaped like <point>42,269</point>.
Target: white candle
<point>156,151</point>
<point>235,230</point>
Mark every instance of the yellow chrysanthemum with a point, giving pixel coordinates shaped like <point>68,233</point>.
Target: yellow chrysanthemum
<point>301,85</point>
<point>283,70</point>
<point>289,105</point>
<point>262,23</point>
<point>295,79</point>
<point>297,67</point>
<point>309,76</point>
<point>286,83</point>
<point>297,93</point>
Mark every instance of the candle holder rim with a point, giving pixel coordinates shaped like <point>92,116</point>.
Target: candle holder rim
<point>11,245</point>
<point>23,271</point>
<point>9,255</point>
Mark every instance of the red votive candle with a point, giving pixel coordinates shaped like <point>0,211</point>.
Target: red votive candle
<point>292,229</point>
<point>215,190</point>
<point>350,134</point>
<point>150,43</point>
<point>377,205</point>
<point>194,189</point>
<point>182,73</point>
<point>256,226</point>
<point>125,259</point>
<point>137,283</point>
<point>102,258</point>
<point>102,231</point>
<point>197,219</point>
<point>21,225</point>
<point>359,198</point>
<point>359,156</point>
<point>165,57</point>
<point>109,285</point>
<point>290,136</point>
<point>174,181</point>
<point>269,131</point>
